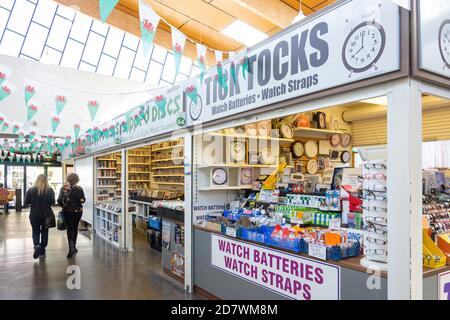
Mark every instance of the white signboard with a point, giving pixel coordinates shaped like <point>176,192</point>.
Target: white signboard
<point>357,40</point>
<point>318,251</point>
<point>292,276</point>
<point>434,36</point>
<point>444,286</point>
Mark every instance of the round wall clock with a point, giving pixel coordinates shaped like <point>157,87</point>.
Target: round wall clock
<point>195,109</point>
<point>363,47</point>
<point>322,121</point>
<point>311,148</point>
<point>298,149</point>
<point>286,130</point>
<point>266,156</point>
<point>345,156</point>
<point>238,151</point>
<point>219,176</point>
<point>444,42</point>
<point>335,140</point>
<point>346,138</point>
<point>246,176</point>
<point>311,167</point>
<point>264,128</point>
<point>251,129</point>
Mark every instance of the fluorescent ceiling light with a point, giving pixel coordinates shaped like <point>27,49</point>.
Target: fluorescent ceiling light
<point>378,100</point>
<point>245,34</point>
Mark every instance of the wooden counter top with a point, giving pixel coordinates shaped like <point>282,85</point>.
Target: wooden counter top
<point>352,263</point>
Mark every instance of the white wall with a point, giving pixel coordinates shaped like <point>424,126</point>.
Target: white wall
<point>85,170</point>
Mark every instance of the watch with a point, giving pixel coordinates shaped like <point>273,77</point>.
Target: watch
<point>246,176</point>
<point>335,140</point>
<point>345,140</point>
<point>311,167</point>
<point>444,42</point>
<point>219,176</point>
<point>264,128</point>
<point>363,47</point>
<point>345,156</point>
<point>266,156</point>
<point>237,151</point>
<point>286,130</point>
<point>311,148</point>
<point>195,109</point>
<point>298,149</point>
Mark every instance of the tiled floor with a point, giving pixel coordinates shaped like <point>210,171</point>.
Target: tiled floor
<point>106,273</point>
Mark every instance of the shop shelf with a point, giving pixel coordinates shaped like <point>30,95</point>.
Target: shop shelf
<point>168,159</point>
<point>167,148</point>
<point>314,133</point>
<point>244,136</point>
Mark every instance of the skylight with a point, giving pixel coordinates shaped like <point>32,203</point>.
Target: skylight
<point>245,34</point>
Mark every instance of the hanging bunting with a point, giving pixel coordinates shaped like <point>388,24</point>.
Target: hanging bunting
<point>11,157</point>
<point>112,131</point>
<point>105,133</point>
<point>2,119</point>
<point>55,123</point>
<point>220,76</point>
<point>2,158</point>
<point>21,135</point>
<point>178,42</point>
<point>96,134</point>
<point>244,64</point>
<point>5,91</point>
<point>18,158</point>
<point>16,128</point>
<point>191,92</point>
<point>31,111</point>
<point>233,67</point>
<point>60,102</point>
<point>5,126</point>
<point>148,21</point>
<point>161,102</point>
<point>125,125</point>
<point>32,135</point>
<point>76,130</point>
<point>93,107</point>
<point>2,78</point>
<point>201,60</point>
<point>68,139</point>
<point>106,7</point>
<point>29,93</point>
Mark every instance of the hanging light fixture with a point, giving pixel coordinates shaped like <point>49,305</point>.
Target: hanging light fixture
<point>300,15</point>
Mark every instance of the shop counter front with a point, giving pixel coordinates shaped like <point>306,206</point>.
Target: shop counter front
<point>231,268</point>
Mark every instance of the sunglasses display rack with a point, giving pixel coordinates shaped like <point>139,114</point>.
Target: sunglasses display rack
<point>437,215</point>
<point>375,210</point>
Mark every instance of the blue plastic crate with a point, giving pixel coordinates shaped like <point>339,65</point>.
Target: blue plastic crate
<point>154,223</point>
<point>288,244</point>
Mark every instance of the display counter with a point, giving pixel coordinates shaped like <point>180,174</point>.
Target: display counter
<point>350,278</point>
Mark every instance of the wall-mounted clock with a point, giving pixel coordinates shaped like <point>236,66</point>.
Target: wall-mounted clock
<point>219,176</point>
<point>311,166</point>
<point>320,120</point>
<point>311,148</point>
<point>345,156</point>
<point>286,130</point>
<point>246,176</point>
<point>324,147</point>
<point>335,140</point>
<point>195,109</point>
<point>266,156</point>
<point>237,151</point>
<point>251,129</point>
<point>363,47</point>
<point>345,140</point>
<point>444,42</point>
<point>298,149</point>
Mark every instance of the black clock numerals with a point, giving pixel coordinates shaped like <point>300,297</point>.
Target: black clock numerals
<point>444,42</point>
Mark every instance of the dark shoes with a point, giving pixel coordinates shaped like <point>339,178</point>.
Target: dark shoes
<point>37,252</point>
<point>72,250</point>
<point>42,253</point>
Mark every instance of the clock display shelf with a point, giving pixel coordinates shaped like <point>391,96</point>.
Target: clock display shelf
<point>168,159</point>
<point>314,133</point>
<point>167,148</point>
<point>238,136</point>
<point>239,165</point>
<point>222,188</point>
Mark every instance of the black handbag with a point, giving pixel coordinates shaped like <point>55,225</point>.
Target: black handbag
<point>50,220</point>
<point>61,225</point>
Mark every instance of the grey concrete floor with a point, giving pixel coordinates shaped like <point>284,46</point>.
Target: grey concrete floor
<point>106,273</point>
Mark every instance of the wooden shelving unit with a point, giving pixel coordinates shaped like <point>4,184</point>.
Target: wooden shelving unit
<point>244,136</point>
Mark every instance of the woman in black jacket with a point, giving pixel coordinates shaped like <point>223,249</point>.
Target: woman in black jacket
<point>71,199</point>
<point>41,198</point>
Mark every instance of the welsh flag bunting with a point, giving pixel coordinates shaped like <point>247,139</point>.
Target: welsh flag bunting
<point>2,77</point>
<point>16,128</point>
<point>112,131</point>
<point>76,130</point>
<point>21,135</point>
<point>220,76</point>
<point>68,139</point>
<point>55,123</point>
<point>32,135</point>
<point>60,102</point>
<point>5,91</point>
<point>125,125</point>
<point>96,134</point>
<point>148,21</point>
<point>2,119</point>
<point>191,92</point>
<point>2,158</point>
<point>93,107</point>
<point>30,91</point>
<point>244,64</point>
<point>105,133</point>
<point>5,126</point>
<point>161,102</point>
<point>31,111</point>
<point>233,72</point>
<point>11,157</point>
<point>106,7</point>
<point>178,42</point>
<point>201,58</point>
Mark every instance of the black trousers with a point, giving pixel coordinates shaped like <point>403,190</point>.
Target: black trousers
<point>40,233</point>
<point>72,219</point>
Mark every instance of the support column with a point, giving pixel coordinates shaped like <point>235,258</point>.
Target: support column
<point>404,183</point>
<point>188,251</point>
<point>127,224</point>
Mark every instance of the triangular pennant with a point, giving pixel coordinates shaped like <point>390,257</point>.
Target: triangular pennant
<point>5,126</point>
<point>161,102</point>
<point>76,130</point>
<point>60,102</point>
<point>244,64</point>
<point>5,91</point>
<point>16,128</point>
<point>148,21</point>
<point>29,93</point>
<point>233,66</point>
<point>220,76</point>
<point>93,106</point>
<point>201,60</point>
<point>31,111</point>
<point>178,42</point>
<point>55,123</point>
<point>2,77</point>
<point>106,7</point>
<point>191,92</point>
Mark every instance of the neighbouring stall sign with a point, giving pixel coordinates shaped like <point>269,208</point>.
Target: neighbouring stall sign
<point>292,276</point>
<point>357,40</point>
<point>160,115</point>
<point>434,36</point>
<point>444,286</point>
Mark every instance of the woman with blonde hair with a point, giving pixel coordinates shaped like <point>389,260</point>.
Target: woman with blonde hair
<point>71,199</point>
<point>41,198</point>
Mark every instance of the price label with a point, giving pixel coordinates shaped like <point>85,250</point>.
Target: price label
<point>296,220</point>
<point>231,232</point>
<point>318,251</point>
<point>334,224</point>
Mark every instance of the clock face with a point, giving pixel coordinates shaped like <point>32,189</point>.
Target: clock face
<point>298,149</point>
<point>266,156</point>
<point>238,151</point>
<point>264,128</point>
<point>363,46</point>
<point>251,130</point>
<point>219,176</point>
<point>335,139</point>
<point>345,140</point>
<point>345,156</point>
<point>311,148</point>
<point>322,121</point>
<point>311,167</point>
<point>195,109</point>
<point>246,175</point>
<point>286,131</point>
<point>444,42</point>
